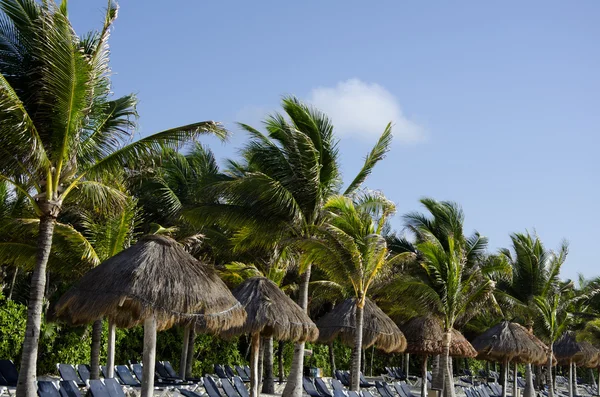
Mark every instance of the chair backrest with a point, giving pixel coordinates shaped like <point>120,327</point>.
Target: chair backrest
<point>309,387</point>
<point>399,389</point>
<point>47,389</point>
<point>3,382</point>
<point>211,387</point>
<point>229,371</point>
<point>338,393</point>
<point>161,370</point>
<point>241,373</point>
<point>9,372</point>
<point>170,370</point>
<point>126,376</point>
<point>84,372</point>
<point>220,372</point>
<point>353,393</point>
<point>366,393</point>
<point>407,390</point>
<point>240,386</point>
<point>229,389</point>
<point>68,388</point>
<point>114,388</point>
<point>337,385</point>
<point>322,387</point>
<point>382,389</point>
<point>98,389</point>
<point>138,371</point>
<point>67,372</point>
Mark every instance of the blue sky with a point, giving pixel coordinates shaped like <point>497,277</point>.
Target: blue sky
<point>495,105</point>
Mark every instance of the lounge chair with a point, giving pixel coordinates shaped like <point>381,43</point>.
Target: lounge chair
<point>339,375</point>
<point>84,372</point>
<point>242,373</point>
<point>407,390</point>
<point>138,371</point>
<point>9,373</point>
<point>338,393</point>
<point>68,388</point>
<point>229,371</point>
<point>98,389</point>
<point>309,387</point>
<point>352,393</point>
<point>383,389</point>
<point>114,388</point>
<point>104,372</point>
<point>47,389</point>
<point>211,387</point>
<point>337,385</point>
<point>163,375</point>
<point>366,393</point>
<point>171,371</point>
<point>363,381</point>
<point>398,387</point>
<point>220,372</point>
<point>229,389</point>
<point>322,387</point>
<point>240,386</point>
<point>247,369</point>
<point>126,376</point>
<point>188,393</point>
<point>67,372</point>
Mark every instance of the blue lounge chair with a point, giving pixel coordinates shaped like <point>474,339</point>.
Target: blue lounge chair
<point>84,372</point>
<point>114,388</point>
<point>337,385</point>
<point>68,388</point>
<point>220,372</point>
<point>126,376</point>
<point>309,387</point>
<point>242,373</point>
<point>363,381</point>
<point>9,373</point>
<point>366,393</point>
<point>47,389</point>
<point>338,393</point>
<point>175,375</point>
<point>229,389</point>
<point>211,387</point>
<point>322,387</point>
<point>352,393</point>
<point>98,389</point>
<point>229,371</point>
<point>383,389</point>
<point>240,386</point>
<point>189,393</point>
<point>407,390</point>
<point>67,372</point>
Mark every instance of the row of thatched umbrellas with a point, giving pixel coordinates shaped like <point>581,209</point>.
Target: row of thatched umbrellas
<point>158,284</point>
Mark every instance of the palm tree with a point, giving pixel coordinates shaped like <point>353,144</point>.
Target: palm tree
<point>535,271</point>
<point>61,130</point>
<point>350,249</point>
<point>447,281</point>
<point>277,193</point>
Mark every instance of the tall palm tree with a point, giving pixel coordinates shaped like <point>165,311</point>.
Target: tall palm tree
<point>350,249</point>
<point>61,130</point>
<point>446,281</point>
<point>535,271</point>
<point>277,194</point>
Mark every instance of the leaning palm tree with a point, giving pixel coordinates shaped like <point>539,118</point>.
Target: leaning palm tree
<point>61,130</point>
<point>535,271</point>
<point>350,249</point>
<point>278,192</point>
<point>442,283</point>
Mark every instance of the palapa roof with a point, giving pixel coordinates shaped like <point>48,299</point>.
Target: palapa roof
<point>508,341</point>
<point>272,313</point>
<point>591,355</point>
<point>378,328</point>
<point>157,277</point>
<point>424,336</point>
<point>567,349</point>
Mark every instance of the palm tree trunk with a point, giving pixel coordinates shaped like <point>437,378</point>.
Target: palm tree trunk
<point>149,358</point>
<point>592,376</point>
<point>12,284</point>
<point>254,353</point>
<point>184,351</point>
<point>549,374</point>
<point>96,346</point>
<point>515,387</point>
<point>280,360</point>
<point>445,365</point>
<point>332,359</point>
<point>269,383</point>
<point>356,352</point>
<point>110,354</point>
<point>371,366</point>
<point>261,360</point>
<point>293,388</point>
<point>529,389</point>
<point>424,377</point>
<point>189,362</point>
<point>570,379</point>
<point>26,386</point>
<point>505,378</point>
<point>437,381</point>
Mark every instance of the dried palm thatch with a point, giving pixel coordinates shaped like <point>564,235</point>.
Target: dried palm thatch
<point>155,277</point>
<point>507,341</point>
<point>591,355</point>
<point>272,313</point>
<point>567,350</point>
<point>424,336</point>
<point>378,328</point>
<point>541,360</point>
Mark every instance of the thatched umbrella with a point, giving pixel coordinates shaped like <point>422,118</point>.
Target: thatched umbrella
<point>569,352</point>
<point>270,313</point>
<point>378,328</point>
<point>424,337</point>
<point>507,341</point>
<point>157,283</point>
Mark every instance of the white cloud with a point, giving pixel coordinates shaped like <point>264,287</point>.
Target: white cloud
<point>362,110</point>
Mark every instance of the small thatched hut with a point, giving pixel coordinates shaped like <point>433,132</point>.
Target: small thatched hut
<point>508,341</point>
<point>157,283</point>
<point>270,313</point>
<point>378,328</point>
<point>424,337</point>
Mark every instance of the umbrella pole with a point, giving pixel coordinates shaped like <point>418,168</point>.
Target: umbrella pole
<point>424,377</point>
<point>110,354</point>
<point>149,358</point>
<point>254,353</point>
<point>184,352</point>
<point>407,365</point>
<point>505,378</point>
<point>515,387</point>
